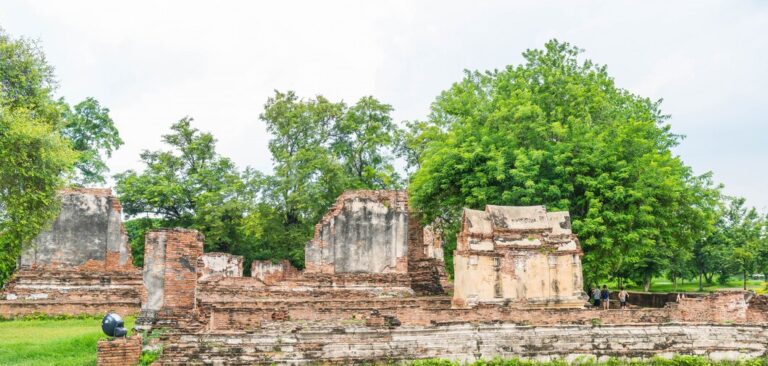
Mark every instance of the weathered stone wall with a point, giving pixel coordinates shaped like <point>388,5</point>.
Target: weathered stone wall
<point>257,311</point>
<point>218,265</point>
<point>170,274</point>
<point>272,273</point>
<point>364,231</point>
<point>517,254</point>
<point>88,233</point>
<point>119,351</point>
<point>81,265</point>
<point>464,342</point>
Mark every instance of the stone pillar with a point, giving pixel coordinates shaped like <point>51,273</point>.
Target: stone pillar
<point>170,272</point>
<point>119,351</point>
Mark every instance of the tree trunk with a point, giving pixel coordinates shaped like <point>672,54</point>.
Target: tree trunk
<point>647,283</point>
<point>745,280</point>
<point>701,285</point>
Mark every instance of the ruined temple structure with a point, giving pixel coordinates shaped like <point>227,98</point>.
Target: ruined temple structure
<point>517,255</point>
<point>374,234</point>
<point>373,291</point>
<point>81,264</point>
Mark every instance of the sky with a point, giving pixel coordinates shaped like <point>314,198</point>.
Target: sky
<point>155,62</point>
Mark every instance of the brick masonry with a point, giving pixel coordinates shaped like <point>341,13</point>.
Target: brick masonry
<point>119,351</point>
<point>170,273</point>
<point>464,342</point>
<point>81,265</point>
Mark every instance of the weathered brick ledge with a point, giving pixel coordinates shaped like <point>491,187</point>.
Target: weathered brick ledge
<point>465,342</point>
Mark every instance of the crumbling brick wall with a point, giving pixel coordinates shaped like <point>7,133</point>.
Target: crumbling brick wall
<point>82,263</point>
<point>119,351</point>
<point>374,232</point>
<point>718,307</point>
<point>170,273</point>
<point>363,231</point>
<point>517,254</point>
<point>272,273</point>
<point>88,234</point>
<point>218,265</point>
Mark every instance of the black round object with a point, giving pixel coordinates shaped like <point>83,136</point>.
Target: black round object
<point>113,325</point>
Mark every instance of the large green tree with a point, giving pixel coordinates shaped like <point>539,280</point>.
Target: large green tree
<point>557,131</point>
<point>93,134</point>
<point>319,148</point>
<point>34,156</point>
<point>190,185</point>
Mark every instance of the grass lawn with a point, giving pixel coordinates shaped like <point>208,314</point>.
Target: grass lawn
<point>665,285</point>
<point>51,342</point>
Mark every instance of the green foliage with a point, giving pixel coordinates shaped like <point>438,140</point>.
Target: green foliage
<point>136,229</point>
<point>362,139</point>
<point>148,357</point>
<point>558,132</point>
<point>41,141</point>
<point>190,186</point>
<point>738,245</point>
<point>319,148</point>
<point>93,135</point>
<point>677,360</point>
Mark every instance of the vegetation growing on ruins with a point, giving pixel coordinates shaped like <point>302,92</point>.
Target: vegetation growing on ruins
<point>44,144</point>
<point>555,130</point>
<point>558,131</point>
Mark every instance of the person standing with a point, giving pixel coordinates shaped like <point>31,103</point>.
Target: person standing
<point>596,296</point>
<point>623,295</point>
<point>604,294</point>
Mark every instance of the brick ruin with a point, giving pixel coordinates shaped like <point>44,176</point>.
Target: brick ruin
<point>374,290</point>
<point>520,255</point>
<point>374,234</point>
<point>81,264</point>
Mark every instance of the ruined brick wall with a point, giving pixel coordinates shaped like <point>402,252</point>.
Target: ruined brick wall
<point>272,273</point>
<point>88,234</point>
<point>465,343</point>
<point>374,232</point>
<point>119,351</point>
<point>719,307</point>
<point>364,231</point>
<point>217,265</point>
<point>757,312</point>
<point>170,274</point>
<point>81,265</point>
<point>517,254</point>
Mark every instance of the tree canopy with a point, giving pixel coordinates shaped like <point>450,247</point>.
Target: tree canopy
<point>557,131</point>
<point>44,144</point>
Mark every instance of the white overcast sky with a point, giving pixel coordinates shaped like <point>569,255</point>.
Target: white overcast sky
<point>154,62</point>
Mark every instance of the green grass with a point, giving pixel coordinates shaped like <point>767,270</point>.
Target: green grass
<point>66,342</point>
<point>679,360</point>
<point>665,285</point>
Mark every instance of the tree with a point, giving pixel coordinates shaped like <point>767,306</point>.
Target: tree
<point>93,135</point>
<point>34,156</point>
<point>363,137</point>
<point>191,186</point>
<point>319,149</point>
<point>558,132</point>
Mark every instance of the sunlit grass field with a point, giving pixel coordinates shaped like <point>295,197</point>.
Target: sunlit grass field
<point>665,285</point>
<point>66,342</point>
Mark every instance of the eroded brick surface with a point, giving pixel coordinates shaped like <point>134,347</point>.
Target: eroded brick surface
<point>83,262</point>
<point>217,265</point>
<point>520,254</point>
<point>119,351</point>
